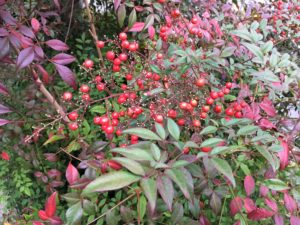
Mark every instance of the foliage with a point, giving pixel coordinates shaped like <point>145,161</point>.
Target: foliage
<point>178,123</point>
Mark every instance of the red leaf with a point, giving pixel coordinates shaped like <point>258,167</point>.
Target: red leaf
<point>203,220</point>
<point>268,107</point>
<point>55,220</point>
<point>263,190</point>
<point>249,205</point>
<point>294,220</point>
<point>290,203</point>
<point>236,205</point>
<point>72,174</point>
<point>278,219</point>
<point>57,45</point>
<point>45,74</point>
<point>25,57</point>
<point>3,90</point>
<point>66,74</point>
<point>50,206</point>
<point>284,155</point>
<point>35,24</point>
<point>259,214</point>
<point>252,112</point>
<point>3,122</point>
<point>37,223</point>
<point>249,185</point>
<point>137,26</point>
<point>272,204</point>
<point>151,32</point>
<point>4,109</point>
<point>53,173</point>
<point>5,156</point>
<point>63,59</point>
<point>265,123</point>
<point>43,215</point>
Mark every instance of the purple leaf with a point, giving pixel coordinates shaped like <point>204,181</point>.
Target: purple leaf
<point>25,57</point>
<point>203,220</point>
<point>166,190</point>
<point>151,32</point>
<point>236,205</point>
<point>268,107</point>
<point>4,46</point>
<point>66,74</point>
<point>278,219</point>
<point>259,214</point>
<point>63,59</point>
<point>72,174</point>
<point>57,45</point>
<point>3,32</point>
<point>265,123</point>
<point>3,122</point>
<point>26,31</point>
<point>116,4</point>
<point>7,17</point>
<point>249,185</point>
<point>294,220</point>
<point>39,51</point>
<point>249,205</point>
<point>4,109</point>
<point>35,24</point>
<point>137,26</point>
<point>272,204</point>
<point>3,90</point>
<point>53,173</point>
<point>290,203</point>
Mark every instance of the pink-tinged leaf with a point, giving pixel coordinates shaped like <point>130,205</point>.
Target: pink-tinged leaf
<point>25,57</point>
<point>51,157</point>
<point>265,123</point>
<point>272,204</point>
<point>236,205</point>
<point>50,206</point>
<point>295,220</point>
<point>81,183</point>
<point>26,42</point>
<point>249,205</point>
<point>5,156</point>
<point>52,173</point>
<point>72,174</point>
<point>284,155</point>
<point>3,32</point>
<point>290,203</point>
<point>263,190</point>
<point>43,215</point>
<point>203,220</point>
<point>57,4</point>
<point>137,27</point>
<point>57,45</point>
<point>37,223</point>
<point>55,220</point>
<point>4,46</point>
<point>116,4</point>
<point>63,59</point>
<point>66,74</point>
<point>249,185</point>
<point>3,89</point>
<point>259,214</point>
<point>268,107</point>
<point>4,109</point>
<point>56,183</point>
<point>166,190</point>
<point>26,31</point>
<point>151,32</point>
<point>4,122</point>
<point>45,74</point>
<point>252,112</point>
<point>35,24</point>
<point>39,51</point>
<point>7,17</point>
<point>237,223</point>
<point>278,219</point>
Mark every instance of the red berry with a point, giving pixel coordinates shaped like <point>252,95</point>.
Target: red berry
<point>156,77</point>
<point>100,86</point>
<point>128,76</point>
<point>73,126</point>
<point>67,96</point>
<point>228,85</point>
<point>159,56</point>
<point>209,101</point>
<point>125,44</point>
<point>172,113</point>
<point>226,91</point>
<point>123,36</point>
<point>193,103</point>
<point>109,129</point>
<point>114,122</point>
<point>118,132</point>
<point>115,115</point>
<point>104,120</point>
<point>229,112</point>
<point>203,115</point>
<point>196,123</point>
<point>194,20</point>
<point>238,115</point>
<point>183,105</point>
<point>181,122</point>
<point>200,82</point>
<point>123,57</point>
<point>121,99</point>
<point>218,109</point>
<point>86,97</point>
<point>98,79</point>
<point>163,29</point>
<point>186,151</point>
<point>158,118</point>
<point>116,68</point>
<point>117,61</point>
<point>214,95</point>
<point>206,149</point>
<point>84,88</point>
<point>243,104</point>
<point>110,55</point>
<point>123,87</point>
<point>205,108</point>
<point>97,120</point>
<point>88,64</point>
<point>100,44</point>
<point>73,116</point>
<point>221,94</point>
<point>175,13</point>
<point>237,107</point>
<point>114,165</point>
<point>134,137</point>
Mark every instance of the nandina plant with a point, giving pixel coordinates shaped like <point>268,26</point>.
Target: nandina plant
<point>181,127</point>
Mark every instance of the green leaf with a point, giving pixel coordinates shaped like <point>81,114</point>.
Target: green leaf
<point>173,129</point>
<point>255,50</point>
<point>143,133</point>
<point>155,69</point>
<point>121,14</point>
<point>267,46</point>
<point>223,167</point>
<point>73,146</point>
<point>234,121</point>
<point>276,184</point>
<point>132,18</point>
<point>179,178</point>
<point>98,109</point>
<point>219,150</point>
<point>180,163</point>
<point>74,213</point>
<point>266,76</point>
<point>142,206</point>
<point>72,197</point>
<point>250,129</point>
<point>150,190</point>
<point>209,130</point>
<point>149,21</point>
<point>268,156</point>
<point>160,131</point>
<point>243,34</point>
<point>110,181</point>
<point>54,138</point>
<point>155,151</point>
<point>273,59</point>
<point>211,142</point>
<point>190,144</point>
<point>228,51</point>
<point>131,165</point>
<point>134,153</point>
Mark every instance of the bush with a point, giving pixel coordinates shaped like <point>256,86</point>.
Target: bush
<point>175,120</point>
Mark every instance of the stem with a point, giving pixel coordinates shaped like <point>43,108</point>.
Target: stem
<point>223,207</point>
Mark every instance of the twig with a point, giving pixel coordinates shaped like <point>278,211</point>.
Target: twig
<point>70,21</point>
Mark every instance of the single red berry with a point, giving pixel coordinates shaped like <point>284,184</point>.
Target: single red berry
<point>194,20</point>
<point>226,91</point>
<point>205,108</point>
<point>121,99</point>
<point>73,116</point>
<point>229,112</point>
<point>110,55</point>
<point>218,109</point>
<point>181,122</point>
<point>238,115</point>
<point>97,120</point>
<point>193,102</point>
<point>109,129</point>
<point>100,86</point>
<point>134,137</point>
<point>156,77</point>
<point>116,68</point>
<point>115,115</point>
<point>214,95</point>
<point>98,79</point>
<point>117,61</point>
<point>203,115</point>
<point>73,126</point>
<point>67,96</point>
<point>84,88</point>
<point>172,113</point>
<point>163,29</point>
<point>123,36</point>
<point>159,56</point>
<point>88,64</point>
<point>118,132</point>
<point>237,107</point>
<point>183,105</point>
<point>100,44</point>
<point>123,57</point>
<point>125,44</point>
<point>209,101</point>
<point>161,1</point>
<point>243,104</point>
<point>228,85</point>
<point>221,94</point>
<point>128,76</point>
<point>196,123</point>
<point>86,97</point>
<point>200,82</point>
<point>206,149</point>
<point>186,151</point>
<point>114,122</point>
<point>124,87</point>
<point>158,118</point>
